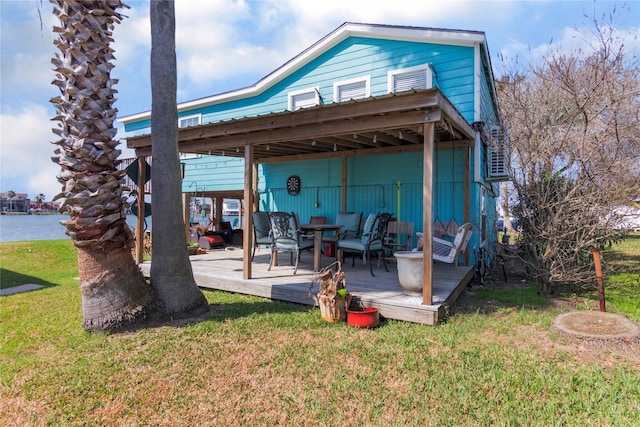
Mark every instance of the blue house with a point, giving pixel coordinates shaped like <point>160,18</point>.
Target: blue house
<point>371,118</point>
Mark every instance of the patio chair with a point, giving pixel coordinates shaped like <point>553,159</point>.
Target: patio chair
<point>287,237</point>
<point>230,234</point>
<point>350,222</point>
<point>398,238</point>
<point>315,220</point>
<point>445,230</point>
<point>261,231</point>
<point>370,242</point>
<point>318,220</point>
<point>446,251</point>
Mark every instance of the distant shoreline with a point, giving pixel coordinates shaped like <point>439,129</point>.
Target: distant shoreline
<point>31,213</point>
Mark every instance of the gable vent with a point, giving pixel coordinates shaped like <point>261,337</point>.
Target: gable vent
<point>408,81</point>
<point>499,154</point>
<point>355,90</point>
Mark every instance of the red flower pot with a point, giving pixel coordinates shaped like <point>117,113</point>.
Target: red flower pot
<point>367,317</point>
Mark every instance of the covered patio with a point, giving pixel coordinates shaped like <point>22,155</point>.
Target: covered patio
<point>221,269</point>
<point>419,120</point>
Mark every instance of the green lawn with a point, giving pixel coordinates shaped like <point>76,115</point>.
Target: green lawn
<point>258,362</point>
<point>622,288</point>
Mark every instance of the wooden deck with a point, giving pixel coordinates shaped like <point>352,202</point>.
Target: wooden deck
<point>222,269</point>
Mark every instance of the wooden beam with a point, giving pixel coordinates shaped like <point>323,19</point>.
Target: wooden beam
<point>142,170</point>
<point>186,213</point>
<point>256,182</point>
<point>467,195</point>
<point>427,214</point>
<point>219,203</point>
<point>411,148</point>
<point>318,130</point>
<point>247,234</point>
<point>343,181</point>
<point>379,106</point>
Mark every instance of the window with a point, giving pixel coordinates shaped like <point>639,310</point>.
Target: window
<point>419,77</point>
<point>304,98</point>
<point>187,121</point>
<point>351,89</point>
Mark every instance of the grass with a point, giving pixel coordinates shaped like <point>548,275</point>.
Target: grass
<point>622,288</point>
<point>260,362</point>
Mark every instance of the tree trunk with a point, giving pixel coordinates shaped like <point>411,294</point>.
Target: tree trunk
<point>114,292</point>
<point>171,274</point>
<point>111,292</point>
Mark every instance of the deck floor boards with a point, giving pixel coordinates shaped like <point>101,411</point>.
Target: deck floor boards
<point>222,269</point>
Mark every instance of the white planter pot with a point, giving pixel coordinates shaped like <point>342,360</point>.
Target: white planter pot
<point>410,271</point>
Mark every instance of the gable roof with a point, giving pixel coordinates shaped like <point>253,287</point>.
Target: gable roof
<point>346,30</point>
<point>390,123</point>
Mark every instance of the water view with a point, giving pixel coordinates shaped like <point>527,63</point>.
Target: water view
<point>14,228</point>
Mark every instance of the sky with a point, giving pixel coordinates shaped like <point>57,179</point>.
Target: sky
<point>223,45</point>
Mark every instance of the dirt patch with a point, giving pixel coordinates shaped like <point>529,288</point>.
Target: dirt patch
<point>506,273</point>
<point>552,342</point>
<point>596,325</point>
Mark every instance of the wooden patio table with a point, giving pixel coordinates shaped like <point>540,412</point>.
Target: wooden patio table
<point>318,229</point>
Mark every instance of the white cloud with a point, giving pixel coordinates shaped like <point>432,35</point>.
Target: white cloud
<point>27,150</point>
<point>27,49</point>
<point>224,45</point>
<point>574,40</point>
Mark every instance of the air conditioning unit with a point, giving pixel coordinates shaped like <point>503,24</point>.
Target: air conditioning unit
<point>498,154</point>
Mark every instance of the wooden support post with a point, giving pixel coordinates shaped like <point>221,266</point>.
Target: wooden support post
<point>467,196</point>
<point>247,235</point>
<point>256,198</point>
<point>186,206</point>
<point>219,212</point>
<point>427,214</point>
<point>343,200</point>
<point>596,260</point>
<point>140,212</point>
<point>212,214</point>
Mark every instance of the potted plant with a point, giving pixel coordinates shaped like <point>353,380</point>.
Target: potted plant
<point>193,248</point>
<point>333,297</point>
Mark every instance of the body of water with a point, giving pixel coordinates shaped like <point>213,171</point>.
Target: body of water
<point>15,228</point>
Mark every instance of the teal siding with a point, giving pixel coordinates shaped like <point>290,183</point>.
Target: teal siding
<point>396,185</point>
<point>138,127</point>
<point>211,173</point>
<point>391,183</point>
<point>488,114</point>
<point>355,57</point>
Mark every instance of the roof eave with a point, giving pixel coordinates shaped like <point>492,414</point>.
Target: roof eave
<point>346,30</point>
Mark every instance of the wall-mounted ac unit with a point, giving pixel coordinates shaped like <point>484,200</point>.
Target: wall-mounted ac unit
<point>498,154</point>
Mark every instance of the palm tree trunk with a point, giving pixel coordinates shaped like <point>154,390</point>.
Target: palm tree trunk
<point>114,291</point>
<point>171,273</point>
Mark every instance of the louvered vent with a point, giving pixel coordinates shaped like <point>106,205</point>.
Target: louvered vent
<point>499,154</point>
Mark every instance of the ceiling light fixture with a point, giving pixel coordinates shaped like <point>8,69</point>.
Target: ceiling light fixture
<point>313,142</point>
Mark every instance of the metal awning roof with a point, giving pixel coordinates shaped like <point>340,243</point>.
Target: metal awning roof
<point>375,125</point>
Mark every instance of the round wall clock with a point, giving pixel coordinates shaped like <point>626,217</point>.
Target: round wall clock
<point>293,185</point>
